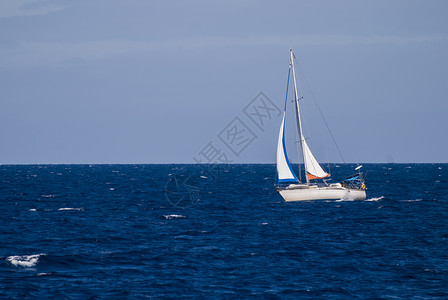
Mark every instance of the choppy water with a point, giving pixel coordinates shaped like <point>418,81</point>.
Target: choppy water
<point>168,231</point>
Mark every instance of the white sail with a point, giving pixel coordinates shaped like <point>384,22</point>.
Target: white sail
<point>285,173</point>
<point>312,167</point>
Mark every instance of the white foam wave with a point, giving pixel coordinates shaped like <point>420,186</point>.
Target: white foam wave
<point>26,261</point>
<point>169,217</point>
<point>375,198</point>
<point>344,199</point>
<point>32,209</point>
<point>347,197</point>
<point>48,196</point>
<point>71,208</point>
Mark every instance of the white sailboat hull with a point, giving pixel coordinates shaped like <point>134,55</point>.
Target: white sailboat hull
<point>322,193</point>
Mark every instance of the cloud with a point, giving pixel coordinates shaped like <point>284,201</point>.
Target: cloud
<point>49,54</point>
<point>15,8</point>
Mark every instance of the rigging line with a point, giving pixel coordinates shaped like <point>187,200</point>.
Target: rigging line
<point>326,154</point>
<point>320,111</point>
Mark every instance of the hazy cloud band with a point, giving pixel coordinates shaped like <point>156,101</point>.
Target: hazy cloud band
<point>28,54</point>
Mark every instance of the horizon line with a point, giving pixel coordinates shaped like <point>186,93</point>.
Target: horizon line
<point>193,163</point>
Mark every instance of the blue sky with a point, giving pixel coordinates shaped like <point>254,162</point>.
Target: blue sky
<point>157,81</point>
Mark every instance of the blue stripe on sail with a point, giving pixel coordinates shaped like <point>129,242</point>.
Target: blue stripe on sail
<point>286,157</point>
<point>287,181</point>
<point>292,180</point>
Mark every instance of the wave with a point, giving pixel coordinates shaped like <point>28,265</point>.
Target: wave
<point>344,200</point>
<point>169,217</point>
<point>347,197</point>
<point>351,199</point>
<point>26,261</point>
<point>48,196</point>
<point>59,209</point>
<point>375,198</point>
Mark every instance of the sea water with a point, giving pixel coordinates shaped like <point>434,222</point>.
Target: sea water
<point>172,231</point>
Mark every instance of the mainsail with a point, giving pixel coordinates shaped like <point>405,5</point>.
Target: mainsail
<point>285,173</point>
<point>284,170</point>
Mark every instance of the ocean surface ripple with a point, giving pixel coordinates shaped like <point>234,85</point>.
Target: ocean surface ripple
<point>171,231</point>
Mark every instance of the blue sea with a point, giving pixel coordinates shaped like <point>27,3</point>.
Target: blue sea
<point>219,232</point>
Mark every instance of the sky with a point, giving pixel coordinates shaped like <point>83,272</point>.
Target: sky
<point>141,81</point>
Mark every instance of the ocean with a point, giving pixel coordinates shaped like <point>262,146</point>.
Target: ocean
<point>219,231</point>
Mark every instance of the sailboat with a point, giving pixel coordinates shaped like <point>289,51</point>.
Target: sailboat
<point>316,186</point>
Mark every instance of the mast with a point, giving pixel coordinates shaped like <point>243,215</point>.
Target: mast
<point>299,122</point>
